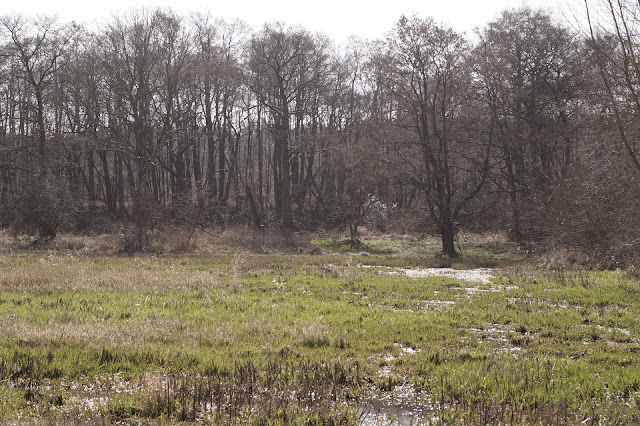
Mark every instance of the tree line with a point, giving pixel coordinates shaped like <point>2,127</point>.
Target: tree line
<point>155,118</point>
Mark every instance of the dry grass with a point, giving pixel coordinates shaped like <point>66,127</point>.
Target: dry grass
<point>90,244</point>
<point>173,240</point>
<point>265,241</point>
<point>563,259</point>
<point>128,337</point>
<point>53,273</point>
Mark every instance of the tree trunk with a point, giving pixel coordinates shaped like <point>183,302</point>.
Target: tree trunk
<point>42,136</point>
<point>119,176</point>
<point>260,165</point>
<point>212,186</point>
<point>448,243</point>
<point>353,234</point>
<point>91,185</point>
<point>285,184</point>
<point>141,202</point>
<point>222,146</point>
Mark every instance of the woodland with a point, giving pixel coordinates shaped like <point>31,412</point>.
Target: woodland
<point>155,121</point>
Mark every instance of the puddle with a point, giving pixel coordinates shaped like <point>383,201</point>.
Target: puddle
<point>400,407</point>
<point>88,404</point>
<point>385,370</point>
<point>479,275</point>
<point>498,333</point>
<point>409,351</point>
<point>494,334</point>
<point>549,303</point>
<point>377,413</point>
<point>615,329</point>
<point>437,304</point>
<point>623,335</point>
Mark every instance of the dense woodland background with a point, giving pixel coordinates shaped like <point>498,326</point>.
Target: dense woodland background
<point>155,120</point>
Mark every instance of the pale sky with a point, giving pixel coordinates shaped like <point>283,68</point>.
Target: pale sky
<point>336,18</point>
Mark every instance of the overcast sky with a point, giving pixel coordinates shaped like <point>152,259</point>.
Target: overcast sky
<point>336,18</point>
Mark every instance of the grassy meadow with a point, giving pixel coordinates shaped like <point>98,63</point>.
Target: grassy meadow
<point>308,335</point>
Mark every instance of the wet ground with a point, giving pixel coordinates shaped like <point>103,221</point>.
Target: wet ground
<point>478,275</point>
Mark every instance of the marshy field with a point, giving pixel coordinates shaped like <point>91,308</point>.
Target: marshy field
<point>315,332</point>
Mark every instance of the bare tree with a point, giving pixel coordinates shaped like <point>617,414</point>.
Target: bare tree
<point>429,77</point>
<point>40,48</point>
<point>138,57</point>
<point>619,67</point>
<point>528,67</point>
<point>220,46</point>
<point>285,64</point>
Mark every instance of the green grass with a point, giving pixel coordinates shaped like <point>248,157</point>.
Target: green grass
<point>424,252</point>
<point>310,339</point>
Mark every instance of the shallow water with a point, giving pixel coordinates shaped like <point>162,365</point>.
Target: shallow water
<point>400,407</point>
<point>377,412</point>
<point>478,275</point>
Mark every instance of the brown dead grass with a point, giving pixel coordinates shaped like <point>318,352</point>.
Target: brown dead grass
<point>127,337</point>
<point>570,259</point>
<point>264,241</point>
<point>174,240</point>
<point>78,273</point>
